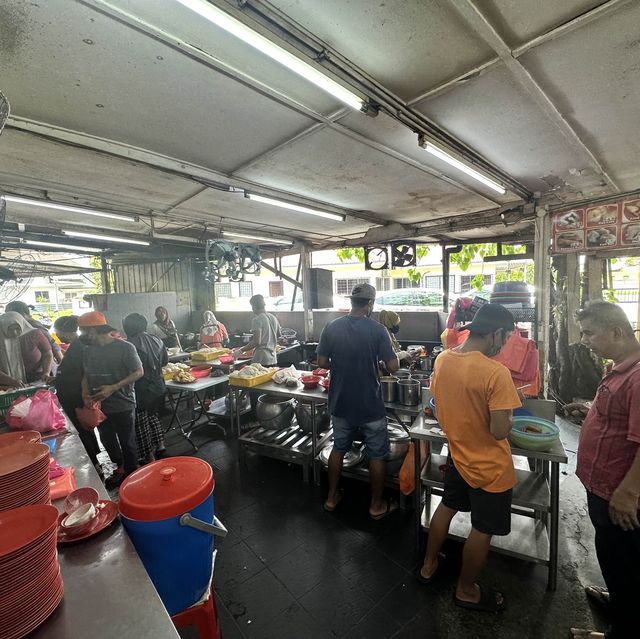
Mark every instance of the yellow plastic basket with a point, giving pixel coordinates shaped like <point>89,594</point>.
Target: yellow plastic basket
<point>245,382</point>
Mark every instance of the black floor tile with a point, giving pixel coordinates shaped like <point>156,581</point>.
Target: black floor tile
<point>426,626</point>
<point>302,569</point>
<point>374,573</point>
<point>337,603</point>
<point>257,601</point>
<point>235,565</point>
<point>292,623</point>
<point>377,624</point>
<point>228,627</point>
<point>408,598</point>
<point>272,544</point>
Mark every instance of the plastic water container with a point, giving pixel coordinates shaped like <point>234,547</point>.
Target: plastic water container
<point>167,509</point>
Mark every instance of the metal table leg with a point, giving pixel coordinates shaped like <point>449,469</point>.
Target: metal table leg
<point>417,494</point>
<point>553,526</point>
<point>175,418</point>
<point>314,437</point>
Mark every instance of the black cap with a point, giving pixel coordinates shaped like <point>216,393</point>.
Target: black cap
<point>363,292</point>
<point>490,318</point>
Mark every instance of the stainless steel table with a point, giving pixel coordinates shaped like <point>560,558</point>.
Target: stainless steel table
<point>186,392</point>
<point>535,505</point>
<point>107,592</point>
<point>179,357</point>
<point>293,446</point>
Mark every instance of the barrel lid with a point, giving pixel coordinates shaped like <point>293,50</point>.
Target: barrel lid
<point>166,488</point>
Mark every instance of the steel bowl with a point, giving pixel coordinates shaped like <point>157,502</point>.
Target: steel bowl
<point>303,415</point>
<point>274,412</point>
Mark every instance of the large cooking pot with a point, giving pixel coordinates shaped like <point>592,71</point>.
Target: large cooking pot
<point>389,387</point>
<point>402,373</point>
<point>303,415</point>
<point>273,412</point>
<point>399,441</point>
<point>409,392</point>
<point>351,458</point>
<point>423,378</point>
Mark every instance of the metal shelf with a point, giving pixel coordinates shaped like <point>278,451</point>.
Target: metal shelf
<point>528,538</point>
<point>531,491</point>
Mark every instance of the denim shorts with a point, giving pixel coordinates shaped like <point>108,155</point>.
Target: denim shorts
<point>374,434</point>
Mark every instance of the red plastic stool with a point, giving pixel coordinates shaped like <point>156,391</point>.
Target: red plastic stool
<point>204,617</point>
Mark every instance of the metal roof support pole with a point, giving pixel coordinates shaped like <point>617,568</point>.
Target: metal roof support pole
<point>305,260</point>
<point>104,276</point>
<point>573,296</point>
<point>446,269</point>
<point>542,282</point>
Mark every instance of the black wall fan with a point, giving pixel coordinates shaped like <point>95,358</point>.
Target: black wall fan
<point>403,254</point>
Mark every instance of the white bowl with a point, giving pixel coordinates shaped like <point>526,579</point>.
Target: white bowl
<point>80,516</point>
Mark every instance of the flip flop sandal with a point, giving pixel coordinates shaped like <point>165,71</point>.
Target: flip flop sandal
<point>331,509</point>
<point>436,573</point>
<point>487,601</point>
<point>598,594</point>
<point>581,633</point>
<point>392,506</point>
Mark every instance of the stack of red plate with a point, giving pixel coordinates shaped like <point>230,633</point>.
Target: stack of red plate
<point>24,470</point>
<point>30,580</point>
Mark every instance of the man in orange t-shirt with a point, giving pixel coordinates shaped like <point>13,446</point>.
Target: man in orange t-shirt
<point>474,397</point>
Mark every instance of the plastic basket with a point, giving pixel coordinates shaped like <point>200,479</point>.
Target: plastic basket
<point>245,382</point>
<point>8,398</point>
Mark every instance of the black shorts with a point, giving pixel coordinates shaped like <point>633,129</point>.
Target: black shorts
<point>490,512</point>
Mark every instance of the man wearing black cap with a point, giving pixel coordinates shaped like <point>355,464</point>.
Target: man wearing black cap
<point>474,397</point>
<point>351,347</point>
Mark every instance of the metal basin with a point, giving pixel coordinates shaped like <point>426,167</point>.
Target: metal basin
<point>351,458</point>
<point>274,412</point>
<point>303,415</point>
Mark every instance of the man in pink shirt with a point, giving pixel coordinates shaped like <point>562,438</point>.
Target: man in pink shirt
<point>609,463</point>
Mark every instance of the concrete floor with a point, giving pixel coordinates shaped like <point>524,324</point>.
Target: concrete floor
<point>290,570</point>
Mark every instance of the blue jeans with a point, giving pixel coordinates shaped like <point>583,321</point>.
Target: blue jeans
<point>374,433</point>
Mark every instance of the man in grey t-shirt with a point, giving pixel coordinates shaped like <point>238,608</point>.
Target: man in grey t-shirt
<point>111,367</point>
<point>265,331</point>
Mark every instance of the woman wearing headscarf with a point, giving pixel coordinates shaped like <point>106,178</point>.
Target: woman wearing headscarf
<point>26,352</point>
<point>150,388</point>
<point>12,373</point>
<point>165,329</point>
<point>391,321</point>
<point>213,333</point>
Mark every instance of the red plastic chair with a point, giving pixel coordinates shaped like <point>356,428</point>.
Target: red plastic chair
<point>203,617</point>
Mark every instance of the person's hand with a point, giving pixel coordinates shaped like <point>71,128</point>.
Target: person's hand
<point>103,392</point>
<point>47,378</point>
<point>623,508</point>
<point>577,409</point>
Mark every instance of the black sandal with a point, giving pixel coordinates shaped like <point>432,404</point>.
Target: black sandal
<point>392,506</point>
<point>339,496</point>
<point>487,603</point>
<point>425,581</point>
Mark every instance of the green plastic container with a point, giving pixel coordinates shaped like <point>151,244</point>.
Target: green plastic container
<point>541,442</point>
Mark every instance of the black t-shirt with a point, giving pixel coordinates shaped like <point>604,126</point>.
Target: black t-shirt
<point>69,376</point>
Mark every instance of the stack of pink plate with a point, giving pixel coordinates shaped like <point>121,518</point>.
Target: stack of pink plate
<point>24,470</point>
<point>30,580</point>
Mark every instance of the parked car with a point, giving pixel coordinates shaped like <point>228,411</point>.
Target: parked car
<point>410,299</point>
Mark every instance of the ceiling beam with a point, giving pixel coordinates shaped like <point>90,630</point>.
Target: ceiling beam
<point>582,20</point>
<point>485,30</point>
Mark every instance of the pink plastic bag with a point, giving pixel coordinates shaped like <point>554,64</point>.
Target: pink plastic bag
<point>90,416</point>
<point>42,413</point>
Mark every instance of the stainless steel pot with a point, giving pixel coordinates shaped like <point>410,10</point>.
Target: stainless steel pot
<point>409,392</point>
<point>303,415</point>
<point>274,412</point>
<point>423,378</point>
<point>389,387</point>
<point>402,373</point>
<point>399,441</point>
<point>351,458</point>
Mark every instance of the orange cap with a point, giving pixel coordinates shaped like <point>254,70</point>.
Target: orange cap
<point>94,318</point>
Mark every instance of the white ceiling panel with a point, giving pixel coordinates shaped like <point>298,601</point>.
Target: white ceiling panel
<point>593,75</point>
<point>518,21</point>
<point>175,19</point>
<point>331,167</point>
<point>70,66</point>
<point>408,46</point>
<point>38,167</point>
<point>497,118</point>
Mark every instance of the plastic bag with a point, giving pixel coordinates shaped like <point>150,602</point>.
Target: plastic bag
<point>90,416</point>
<point>41,412</point>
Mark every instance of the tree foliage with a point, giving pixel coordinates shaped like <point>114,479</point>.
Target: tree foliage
<point>469,252</point>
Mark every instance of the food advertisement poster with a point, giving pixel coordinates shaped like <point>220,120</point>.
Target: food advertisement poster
<point>590,228</point>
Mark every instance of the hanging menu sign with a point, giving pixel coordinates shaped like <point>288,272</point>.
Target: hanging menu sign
<point>599,226</point>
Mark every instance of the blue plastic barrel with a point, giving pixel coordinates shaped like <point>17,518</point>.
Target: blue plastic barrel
<point>155,503</point>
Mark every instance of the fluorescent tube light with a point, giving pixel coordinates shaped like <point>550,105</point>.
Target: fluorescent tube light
<point>65,207</point>
<point>260,238</point>
<point>104,238</point>
<point>295,207</point>
<point>275,52</point>
<point>63,246</point>
<point>461,166</point>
